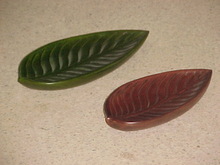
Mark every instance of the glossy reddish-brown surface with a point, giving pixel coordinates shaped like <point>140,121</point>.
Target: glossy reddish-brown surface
<point>155,99</point>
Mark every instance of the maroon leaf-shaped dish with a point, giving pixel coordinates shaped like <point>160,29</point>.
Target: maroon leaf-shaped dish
<point>155,99</point>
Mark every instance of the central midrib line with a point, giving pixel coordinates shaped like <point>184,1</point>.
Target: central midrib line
<point>87,61</point>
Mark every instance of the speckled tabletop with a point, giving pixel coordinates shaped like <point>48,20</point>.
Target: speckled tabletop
<point>67,127</point>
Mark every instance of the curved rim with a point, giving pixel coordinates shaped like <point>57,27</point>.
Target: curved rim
<point>83,78</point>
<point>138,125</point>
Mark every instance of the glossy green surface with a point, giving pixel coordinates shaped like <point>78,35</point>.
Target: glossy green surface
<point>77,60</point>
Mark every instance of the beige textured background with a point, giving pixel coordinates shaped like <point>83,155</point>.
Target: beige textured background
<point>67,127</point>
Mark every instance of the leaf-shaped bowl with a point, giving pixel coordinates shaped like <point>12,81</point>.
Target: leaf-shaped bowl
<point>77,60</point>
<point>155,99</point>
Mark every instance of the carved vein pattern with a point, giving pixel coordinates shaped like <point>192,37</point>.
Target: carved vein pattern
<point>71,59</point>
<point>152,97</point>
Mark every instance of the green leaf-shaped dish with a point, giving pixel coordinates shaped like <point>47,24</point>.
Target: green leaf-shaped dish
<point>77,60</point>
